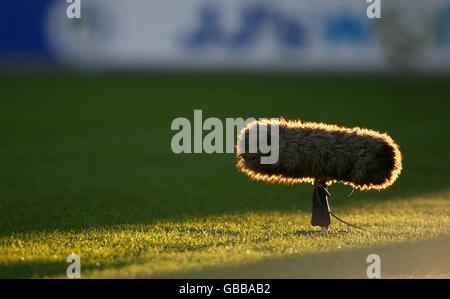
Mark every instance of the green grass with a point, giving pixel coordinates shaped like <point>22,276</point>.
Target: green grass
<point>86,167</point>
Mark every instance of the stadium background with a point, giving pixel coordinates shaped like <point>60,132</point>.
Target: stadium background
<point>289,35</point>
<point>85,113</point>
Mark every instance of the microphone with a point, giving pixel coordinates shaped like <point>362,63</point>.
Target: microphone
<point>320,154</point>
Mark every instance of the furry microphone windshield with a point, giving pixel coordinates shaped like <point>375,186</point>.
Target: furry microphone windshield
<point>322,154</point>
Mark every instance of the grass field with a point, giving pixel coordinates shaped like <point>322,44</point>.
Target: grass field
<point>86,167</point>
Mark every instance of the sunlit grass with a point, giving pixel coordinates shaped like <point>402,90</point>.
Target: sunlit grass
<point>167,248</point>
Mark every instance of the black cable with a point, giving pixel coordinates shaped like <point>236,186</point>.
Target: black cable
<point>332,214</point>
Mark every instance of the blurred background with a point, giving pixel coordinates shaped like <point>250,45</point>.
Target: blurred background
<point>86,107</point>
<point>306,35</point>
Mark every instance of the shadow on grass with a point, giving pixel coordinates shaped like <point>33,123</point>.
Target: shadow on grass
<point>25,269</point>
<point>316,233</point>
<point>411,259</point>
<point>32,269</point>
<point>419,259</point>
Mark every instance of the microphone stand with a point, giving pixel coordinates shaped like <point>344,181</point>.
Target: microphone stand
<point>320,207</point>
